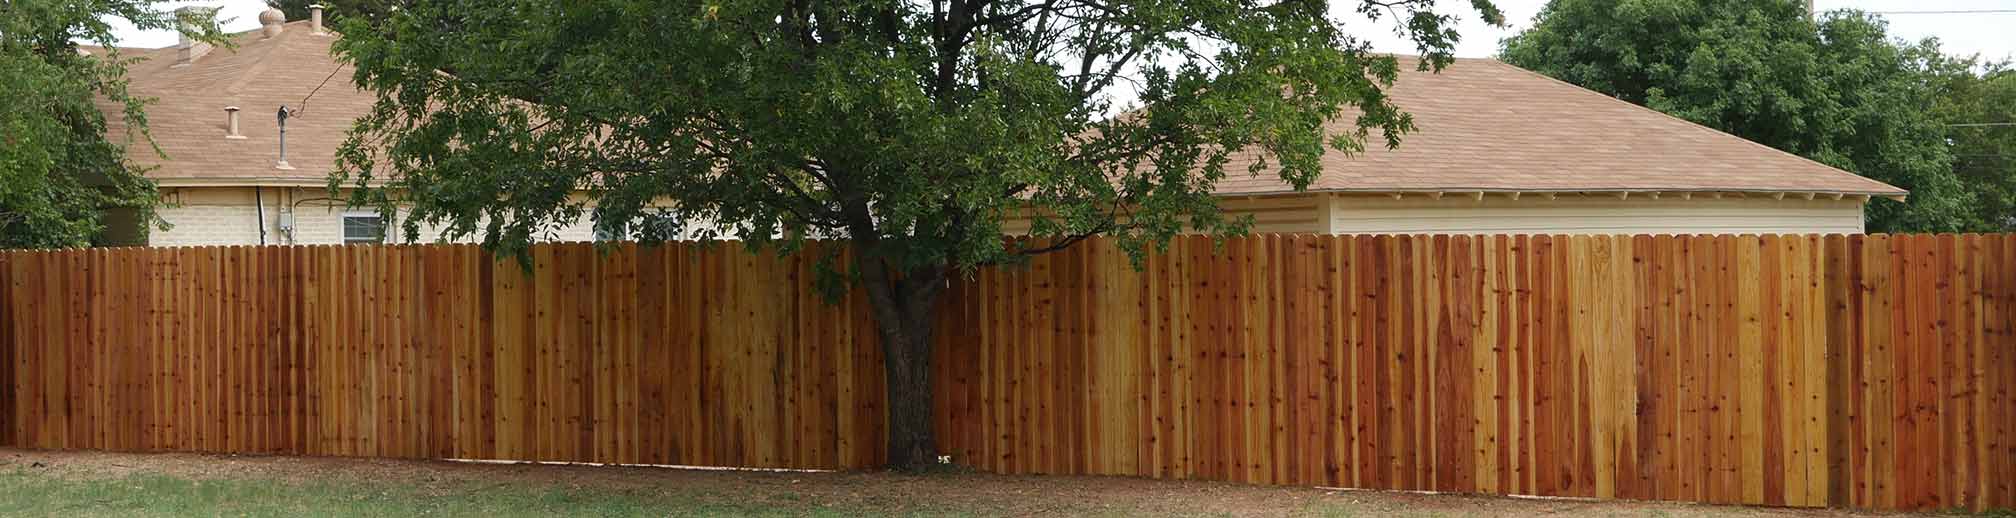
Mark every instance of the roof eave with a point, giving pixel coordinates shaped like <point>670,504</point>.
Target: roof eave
<point>243,182</point>
<point>1897,195</point>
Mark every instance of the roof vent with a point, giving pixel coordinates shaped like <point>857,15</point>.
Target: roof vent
<point>282,164</point>
<point>272,22</point>
<point>188,49</point>
<point>231,123</point>
<point>315,18</point>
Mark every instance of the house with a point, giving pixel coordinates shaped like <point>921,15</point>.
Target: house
<point>215,116</point>
<point>1498,150</point>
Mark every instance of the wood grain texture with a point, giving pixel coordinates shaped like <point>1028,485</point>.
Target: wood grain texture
<point>1862,371</point>
<point>1784,370</point>
<point>671,354</point>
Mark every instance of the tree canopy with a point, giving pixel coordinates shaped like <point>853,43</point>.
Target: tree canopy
<point>911,129</point>
<point>1838,91</point>
<point>59,170</point>
<point>1978,106</point>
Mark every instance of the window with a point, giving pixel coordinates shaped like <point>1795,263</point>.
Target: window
<point>602,234</point>
<point>653,226</point>
<point>363,227</point>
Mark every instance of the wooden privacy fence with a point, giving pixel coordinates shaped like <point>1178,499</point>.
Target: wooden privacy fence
<point>1867,371</point>
<point>656,355</point>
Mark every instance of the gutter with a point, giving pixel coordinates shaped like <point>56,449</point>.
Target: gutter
<point>242,182</point>
<point>1619,193</point>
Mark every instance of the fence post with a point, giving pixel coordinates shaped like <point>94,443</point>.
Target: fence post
<point>7,389</point>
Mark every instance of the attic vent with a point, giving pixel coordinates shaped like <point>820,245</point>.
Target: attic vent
<point>272,22</point>
<point>231,123</point>
<point>315,18</point>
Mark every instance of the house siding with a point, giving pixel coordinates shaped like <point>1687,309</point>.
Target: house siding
<point>1271,214</point>
<point>226,216</point>
<point>1593,214</point>
<point>210,216</point>
<point>1461,213</point>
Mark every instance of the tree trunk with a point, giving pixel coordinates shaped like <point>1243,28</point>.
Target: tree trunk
<point>904,310</point>
<point>907,365</point>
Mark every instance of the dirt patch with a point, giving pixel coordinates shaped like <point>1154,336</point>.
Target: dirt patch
<point>945,493</point>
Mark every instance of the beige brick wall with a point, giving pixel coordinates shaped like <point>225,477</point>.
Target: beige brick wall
<point>197,225</point>
<point>209,216</point>
<point>1458,213</point>
<point>1571,213</point>
<point>225,216</point>
<point>1302,214</point>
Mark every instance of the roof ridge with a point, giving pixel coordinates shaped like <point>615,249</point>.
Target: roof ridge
<point>228,35</point>
<point>259,65</point>
<point>1696,126</point>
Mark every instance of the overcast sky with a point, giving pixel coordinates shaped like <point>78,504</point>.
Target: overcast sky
<point>1991,35</point>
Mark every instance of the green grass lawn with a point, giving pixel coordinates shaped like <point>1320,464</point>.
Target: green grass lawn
<point>31,494</point>
<point>45,483</point>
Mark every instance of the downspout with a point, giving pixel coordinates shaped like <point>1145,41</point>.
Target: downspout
<point>259,207</point>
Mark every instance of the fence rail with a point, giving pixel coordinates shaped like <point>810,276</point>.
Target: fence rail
<point>1867,371</point>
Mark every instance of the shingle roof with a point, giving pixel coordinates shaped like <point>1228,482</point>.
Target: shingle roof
<point>258,76</point>
<point>1484,125</point>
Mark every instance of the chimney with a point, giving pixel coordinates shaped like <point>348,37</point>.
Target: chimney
<point>315,18</point>
<point>272,22</point>
<point>231,123</point>
<point>187,18</point>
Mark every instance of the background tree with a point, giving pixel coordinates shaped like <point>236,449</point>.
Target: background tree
<point>335,11</point>
<point>1838,91</point>
<point>908,128</point>
<point>59,171</point>
<point>1978,106</point>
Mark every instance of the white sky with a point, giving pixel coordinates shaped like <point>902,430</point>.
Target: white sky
<point>1991,35</point>
<point>239,15</point>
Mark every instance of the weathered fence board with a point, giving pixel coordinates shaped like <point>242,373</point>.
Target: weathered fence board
<point>1785,370</point>
<point>1866,371</point>
<point>653,355</point>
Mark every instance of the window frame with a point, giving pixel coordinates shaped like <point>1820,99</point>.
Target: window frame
<point>648,221</point>
<point>345,231</point>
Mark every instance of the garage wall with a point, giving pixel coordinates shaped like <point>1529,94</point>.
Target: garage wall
<point>1593,214</point>
<point>1271,214</point>
<point>1568,213</point>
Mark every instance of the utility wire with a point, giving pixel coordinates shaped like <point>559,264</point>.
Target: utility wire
<point>1963,11</point>
<point>1982,124</point>
<point>318,88</point>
